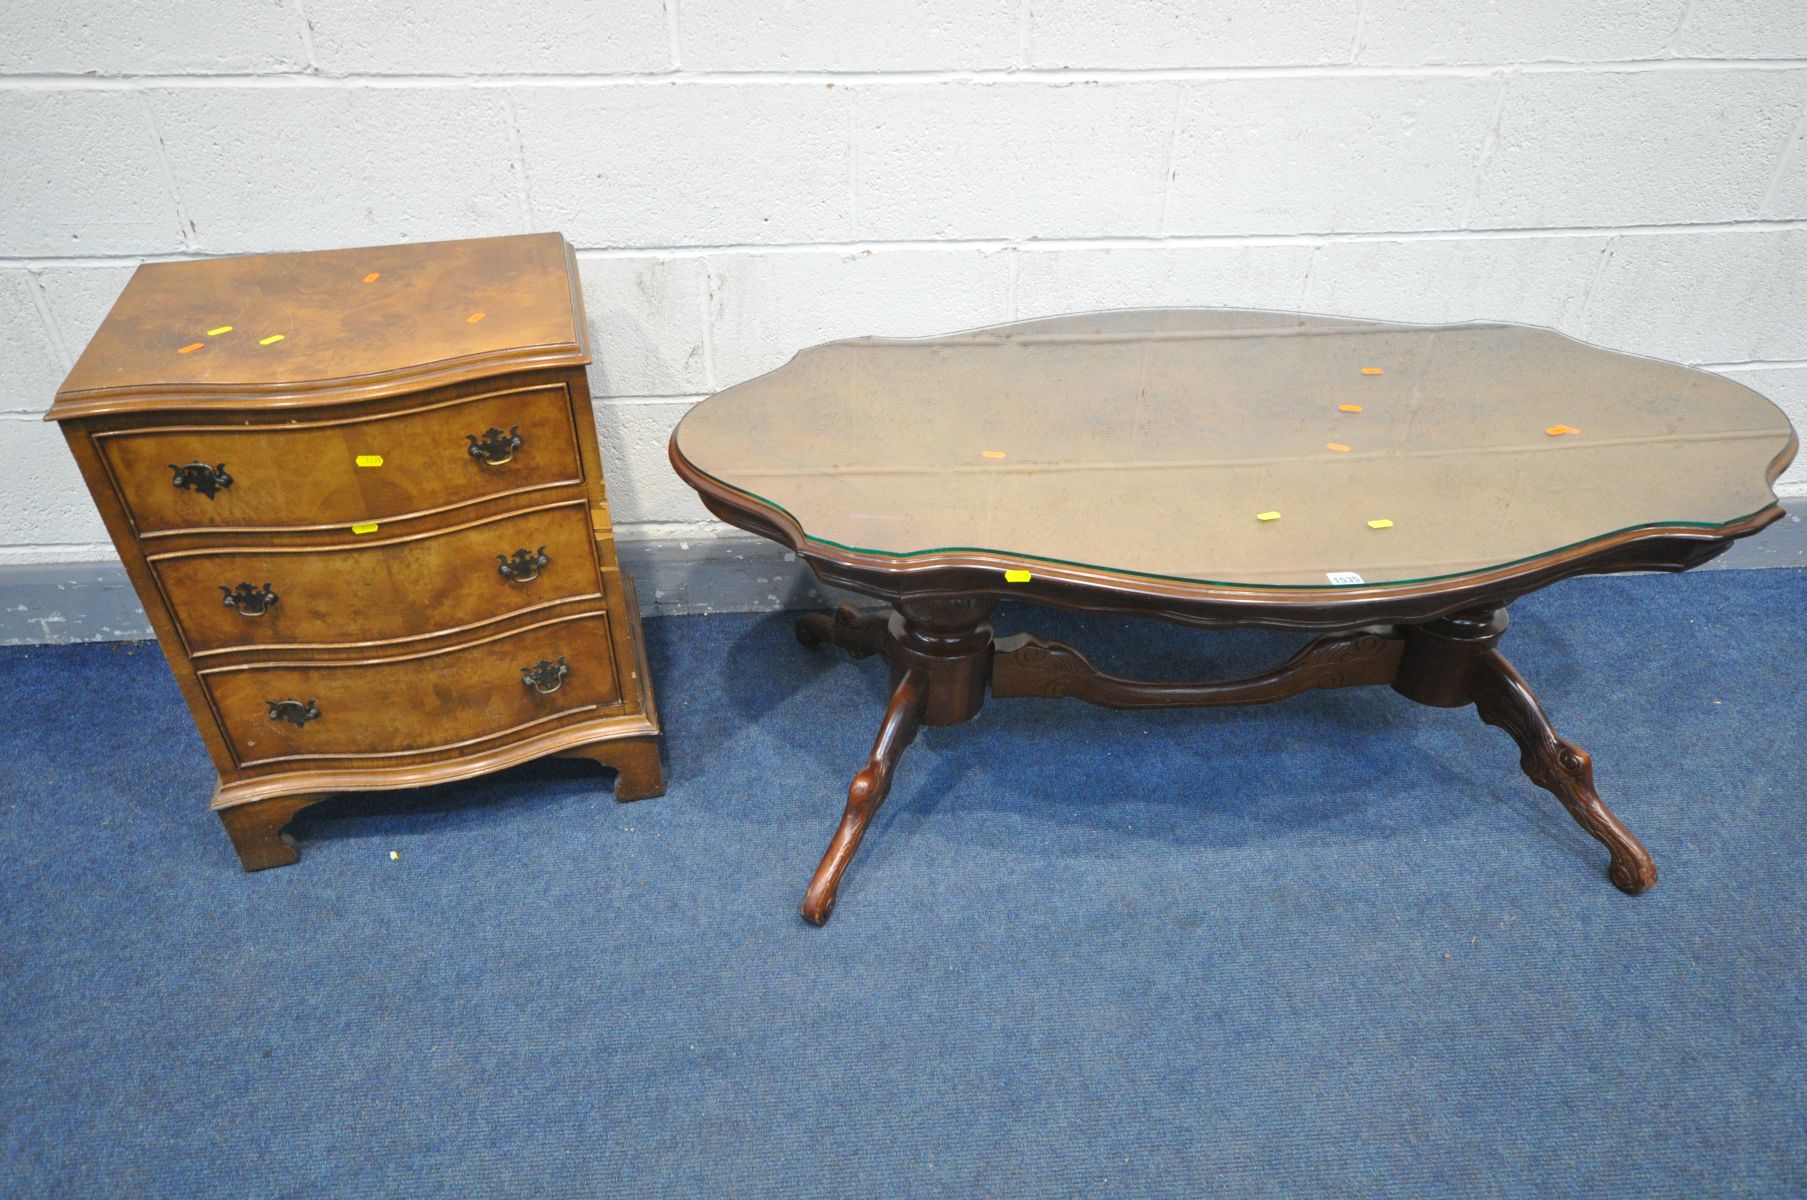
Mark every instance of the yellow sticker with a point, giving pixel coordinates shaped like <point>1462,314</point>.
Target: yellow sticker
<point>270,341</point>
<point>370,460</point>
<point>373,277</point>
<point>369,528</point>
<point>1337,446</point>
<point>220,330</point>
<point>1348,408</point>
<point>1267,516</point>
<point>1559,430</point>
<point>1017,577</point>
<point>475,317</point>
<point>191,348</point>
<point>991,454</point>
<point>1380,523</point>
<point>1371,371</point>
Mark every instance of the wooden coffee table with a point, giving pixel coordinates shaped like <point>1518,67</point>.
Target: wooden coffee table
<point>1390,488</point>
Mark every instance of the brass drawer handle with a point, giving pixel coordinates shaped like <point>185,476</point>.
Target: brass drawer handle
<point>293,711</point>
<point>248,601</point>
<point>545,676</point>
<point>495,447</point>
<point>199,477</point>
<point>524,567</point>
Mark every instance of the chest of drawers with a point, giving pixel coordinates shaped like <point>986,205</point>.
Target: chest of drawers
<point>359,494</point>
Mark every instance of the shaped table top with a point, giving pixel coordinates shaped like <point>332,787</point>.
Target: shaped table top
<point>1235,449</point>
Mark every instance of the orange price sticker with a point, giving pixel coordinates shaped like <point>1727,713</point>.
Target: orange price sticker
<point>373,277</point>
<point>991,454</point>
<point>1372,371</point>
<point>1348,408</point>
<point>191,348</point>
<point>1337,446</point>
<point>475,317</point>
<point>1559,430</point>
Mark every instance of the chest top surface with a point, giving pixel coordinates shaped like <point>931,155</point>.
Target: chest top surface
<point>1235,449</point>
<point>328,326</point>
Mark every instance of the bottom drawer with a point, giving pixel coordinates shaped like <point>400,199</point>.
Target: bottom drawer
<point>417,703</point>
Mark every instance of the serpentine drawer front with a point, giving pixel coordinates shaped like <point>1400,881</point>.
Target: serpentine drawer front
<point>359,494</point>
<point>377,588</point>
<point>422,702</point>
<point>307,474</point>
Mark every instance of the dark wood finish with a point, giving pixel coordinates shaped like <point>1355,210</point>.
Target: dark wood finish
<point>981,573</point>
<point>947,639</point>
<point>1432,641</point>
<point>860,634</point>
<point>391,617</point>
<point>903,716</point>
<point>1560,767</point>
<point>1442,656</point>
<point>1447,663</point>
<point>1025,665</point>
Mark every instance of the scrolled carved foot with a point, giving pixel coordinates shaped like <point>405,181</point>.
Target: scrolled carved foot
<point>1560,767</point>
<point>860,634</point>
<point>870,786</point>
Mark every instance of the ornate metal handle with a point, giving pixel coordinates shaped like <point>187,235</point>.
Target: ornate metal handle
<point>524,567</point>
<point>248,601</point>
<point>295,712</point>
<point>545,676</point>
<point>199,477</point>
<point>495,447</point>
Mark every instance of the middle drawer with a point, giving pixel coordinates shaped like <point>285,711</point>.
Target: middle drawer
<point>375,591</point>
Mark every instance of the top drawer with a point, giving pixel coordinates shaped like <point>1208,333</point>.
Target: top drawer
<point>305,474</point>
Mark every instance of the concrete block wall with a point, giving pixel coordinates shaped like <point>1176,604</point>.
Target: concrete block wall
<point>746,179</point>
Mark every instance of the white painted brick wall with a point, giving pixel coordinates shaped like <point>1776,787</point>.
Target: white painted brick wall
<point>1294,154</point>
<point>1177,34</point>
<point>743,179</point>
<point>1431,32</point>
<point>1010,160</point>
<point>1631,148</point>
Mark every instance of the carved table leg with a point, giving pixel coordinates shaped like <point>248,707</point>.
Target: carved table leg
<point>902,718</point>
<point>1452,661</point>
<point>940,651</point>
<point>860,634</point>
<point>1559,767</point>
<point>635,761</point>
<point>256,829</point>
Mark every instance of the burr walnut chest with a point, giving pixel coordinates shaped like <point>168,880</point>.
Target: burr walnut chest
<point>359,494</point>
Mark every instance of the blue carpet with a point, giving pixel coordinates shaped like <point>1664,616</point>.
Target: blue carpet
<point>1337,946</point>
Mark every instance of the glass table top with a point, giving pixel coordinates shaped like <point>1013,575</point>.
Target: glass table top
<point>1254,449</point>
